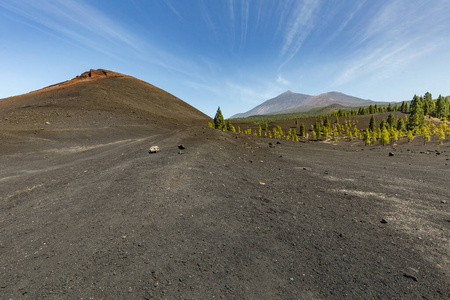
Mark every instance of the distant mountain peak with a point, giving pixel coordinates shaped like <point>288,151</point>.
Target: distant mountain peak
<point>289,102</point>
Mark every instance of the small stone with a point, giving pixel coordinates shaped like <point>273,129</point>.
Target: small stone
<point>181,147</point>
<point>443,202</point>
<point>391,154</point>
<point>47,123</point>
<point>278,143</point>
<point>154,149</point>
<point>384,221</point>
<point>410,277</point>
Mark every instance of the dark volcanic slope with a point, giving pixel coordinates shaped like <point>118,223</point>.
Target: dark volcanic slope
<point>96,98</point>
<point>86,212</point>
<point>229,218</point>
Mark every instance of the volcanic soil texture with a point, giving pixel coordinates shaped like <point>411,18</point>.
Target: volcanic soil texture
<point>86,212</point>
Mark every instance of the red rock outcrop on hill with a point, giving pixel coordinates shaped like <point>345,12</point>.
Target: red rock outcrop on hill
<point>99,73</point>
<point>86,76</point>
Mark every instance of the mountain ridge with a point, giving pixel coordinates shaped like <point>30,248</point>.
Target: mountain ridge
<point>289,102</point>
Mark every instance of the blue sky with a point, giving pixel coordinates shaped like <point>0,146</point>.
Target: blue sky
<point>235,54</point>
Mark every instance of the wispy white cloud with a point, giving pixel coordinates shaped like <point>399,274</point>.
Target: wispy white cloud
<point>231,10</point>
<point>172,8</point>
<point>399,34</point>
<point>283,81</point>
<point>380,62</point>
<point>350,16</point>
<point>73,19</point>
<point>82,25</point>
<point>300,25</point>
<point>245,7</point>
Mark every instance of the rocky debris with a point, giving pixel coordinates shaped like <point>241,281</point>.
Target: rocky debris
<point>154,149</point>
<point>271,145</point>
<point>181,147</point>
<point>384,221</point>
<point>99,73</point>
<point>278,143</point>
<point>391,154</point>
<point>47,123</point>
<point>410,277</point>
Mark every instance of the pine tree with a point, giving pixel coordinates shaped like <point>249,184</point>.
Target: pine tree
<point>327,123</point>
<point>302,129</point>
<point>372,124</point>
<point>382,124</point>
<point>384,137</point>
<point>441,135</point>
<point>427,104</point>
<point>403,107</point>
<point>400,124</point>
<point>389,108</point>
<point>219,122</point>
<point>442,107</point>
<point>410,136</point>
<point>374,136</point>
<point>391,120</point>
<point>367,137</point>
<point>325,132</point>
<point>425,135</point>
<point>416,116</point>
<point>317,128</point>
<point>393,134</point>
<point>230,127</point>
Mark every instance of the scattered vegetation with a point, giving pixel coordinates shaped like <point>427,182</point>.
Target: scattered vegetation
<point>411,119</point>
